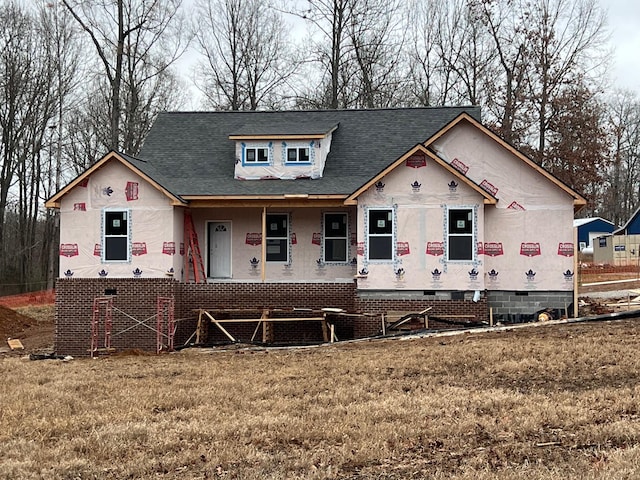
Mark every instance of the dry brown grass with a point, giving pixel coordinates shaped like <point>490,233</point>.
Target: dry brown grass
<point>41,313</point>
<point>539,403</point>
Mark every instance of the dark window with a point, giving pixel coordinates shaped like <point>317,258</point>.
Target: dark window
<point>380,234</point>
<point>277,238</point>
<point>116,236</point>
<point>256,155</point>
<point>460,234</point>
<point>335,237</point>
<point>298,154</point>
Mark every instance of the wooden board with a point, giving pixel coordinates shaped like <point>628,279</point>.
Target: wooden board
<point>15,344</point>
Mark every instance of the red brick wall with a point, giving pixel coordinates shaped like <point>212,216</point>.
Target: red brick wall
<point>135,302</point>
<point>136,297</point>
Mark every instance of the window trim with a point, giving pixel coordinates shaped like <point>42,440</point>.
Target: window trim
<point>471,235</point>
<point>297,161</point>
<point>345,238</point>
<point>104,235</point>
<point>286,238</point>
<point>392,235</point>
<point>255,149</point>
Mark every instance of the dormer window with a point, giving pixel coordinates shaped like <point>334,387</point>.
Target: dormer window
<point>298,155</point>
<point>284,151</point>
<point>256,155</point>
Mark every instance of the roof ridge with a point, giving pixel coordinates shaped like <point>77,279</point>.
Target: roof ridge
<point>335,110</point>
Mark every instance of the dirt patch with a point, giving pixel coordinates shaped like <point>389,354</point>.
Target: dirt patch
<point>35,332</point>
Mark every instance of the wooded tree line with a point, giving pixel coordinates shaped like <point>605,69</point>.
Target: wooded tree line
<point>81,77</point>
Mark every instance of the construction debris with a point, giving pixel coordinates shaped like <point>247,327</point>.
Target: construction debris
<point>50,356</point>
<point>15,344</point>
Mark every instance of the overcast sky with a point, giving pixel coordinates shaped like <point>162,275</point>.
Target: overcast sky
<point>624,25</point>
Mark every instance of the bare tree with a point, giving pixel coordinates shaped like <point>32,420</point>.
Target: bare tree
<point>429,83</point>
<point>33,85</point>
<point>376,33</point>
<point>65,49</point>
<point>622,195</point>
<point>453,56</point>
<point>246,56</point>
<point>330,49</point>
<point>87,127</point>
<point>564,40</point>
<point>128,33</point>
<point>506,93</point>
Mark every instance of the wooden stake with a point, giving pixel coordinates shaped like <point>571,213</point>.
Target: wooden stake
<point>491,316</point>
<point>255,332</point>
<point>325,332</point>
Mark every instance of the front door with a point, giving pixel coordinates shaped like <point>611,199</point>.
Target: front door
<point>219,250</point>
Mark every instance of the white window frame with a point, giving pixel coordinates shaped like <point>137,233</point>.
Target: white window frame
<point>278,238</point>
<point>391,235</point>
<point>105,235</point>
<point>256,156</point>
<point>470,234</point>
<point>326,237</point>
<point>297,151</point>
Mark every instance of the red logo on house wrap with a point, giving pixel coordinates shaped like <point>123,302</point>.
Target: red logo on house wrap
<point>360,248</point>
<point>530,249</point>
<point>435,248</point>
<point>68,249</point>
<point>131,191</point>
<point>416,160</point>
<point>294,239</point>
<point>316,238</point>
<point>402,248</point>
<point>493,249</point>
<point>480,248</point>
<point>253,239</point>
<point>84,183</point>
<point>565,249</point>
<point>458,165</point>
<point>139,248</point>
<point>489,187</point>
<point>516,206</point>
<point>97,250</point>
<point>169,248</point>
<point>80,207</point>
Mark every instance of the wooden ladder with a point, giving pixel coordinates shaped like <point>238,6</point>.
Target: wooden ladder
<point>192,256</point>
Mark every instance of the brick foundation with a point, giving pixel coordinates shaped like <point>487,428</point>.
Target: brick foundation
<point>136,299</point>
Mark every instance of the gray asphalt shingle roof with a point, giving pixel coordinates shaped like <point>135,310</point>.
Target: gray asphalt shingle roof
<point>309,127</point>
<point>190,153</point>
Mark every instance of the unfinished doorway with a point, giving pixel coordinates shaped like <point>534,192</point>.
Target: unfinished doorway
<point>219,261</point>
